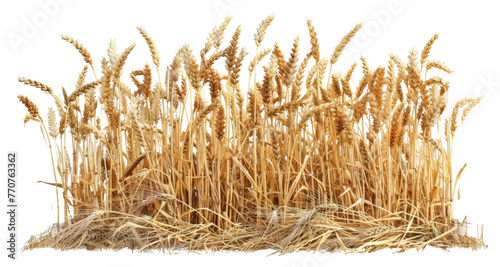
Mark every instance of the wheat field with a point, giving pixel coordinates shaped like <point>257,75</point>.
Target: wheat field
<point>299,157</point>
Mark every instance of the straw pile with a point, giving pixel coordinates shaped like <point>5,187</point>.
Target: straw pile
<point>301,158</point>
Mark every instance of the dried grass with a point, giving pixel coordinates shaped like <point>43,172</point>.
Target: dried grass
<point>303,162</point>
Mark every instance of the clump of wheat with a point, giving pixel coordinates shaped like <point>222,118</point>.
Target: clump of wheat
<point>307,159</point>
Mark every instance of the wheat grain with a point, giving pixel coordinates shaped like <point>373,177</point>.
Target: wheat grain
<point>335,86</point>
<point>315,53</point>
<point>341,46</point>
<point>83,51</point>
<point>438,65</point>
<point>82,90</point>
<point>32,108</point>
<point>413,77</point>
<point>291,65</point>
<point>220,121</point>
<point>219,33</point>
<point>36,84</point>
<point>120,61</point>
<point>471,105</point>
<point>112,52</point>
<point>53,130</point>
<point>346,88</point>
<point>261,30</point>
<point>396,124</point>
<point>427,49</point>
<point>255,61</point>
<point>298,80</point>
<point>155,54</point>
<point>81,78</point>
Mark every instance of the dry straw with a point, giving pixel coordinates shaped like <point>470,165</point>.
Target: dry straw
<point>306,160</point>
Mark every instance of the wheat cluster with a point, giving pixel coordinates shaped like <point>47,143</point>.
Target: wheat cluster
<point>299,157</point>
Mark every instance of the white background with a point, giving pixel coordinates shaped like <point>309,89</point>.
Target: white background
<point>469,43</point>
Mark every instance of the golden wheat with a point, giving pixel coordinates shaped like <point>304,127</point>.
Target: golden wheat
<point>296,160</point>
